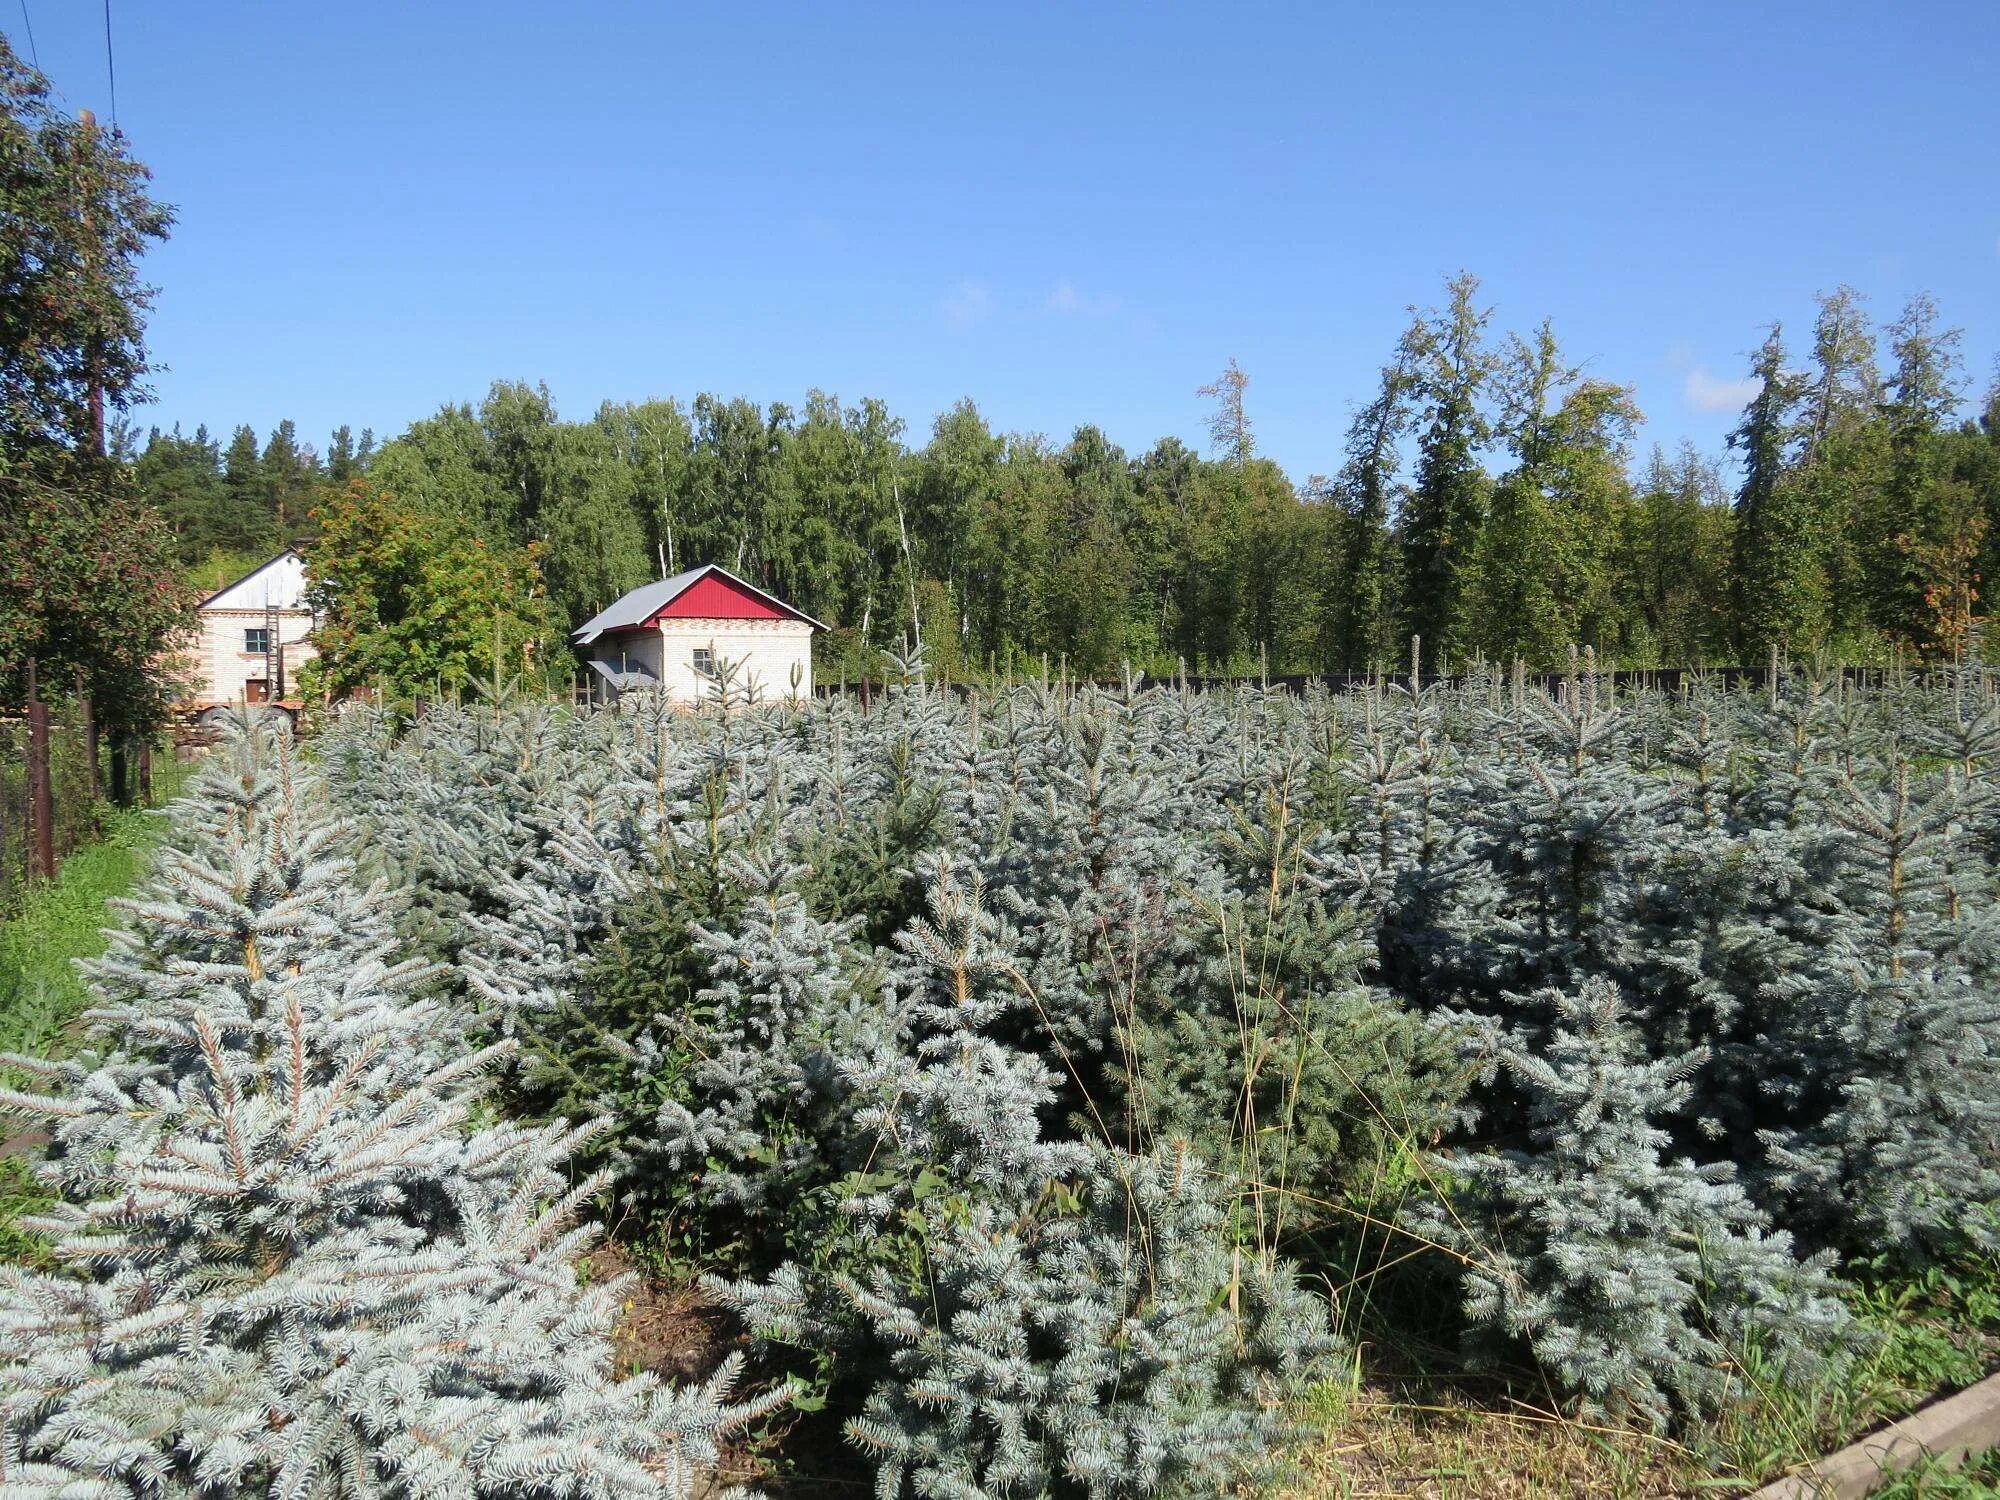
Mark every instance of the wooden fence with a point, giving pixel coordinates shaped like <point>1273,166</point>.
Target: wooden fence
<point>1671,680</point>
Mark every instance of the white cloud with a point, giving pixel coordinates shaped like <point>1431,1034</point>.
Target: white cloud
<point>968,303</point>
<point>1068,300</point>
<point>1705,392</point>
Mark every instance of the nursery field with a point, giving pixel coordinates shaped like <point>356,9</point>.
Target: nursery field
<point>1426,1089</point>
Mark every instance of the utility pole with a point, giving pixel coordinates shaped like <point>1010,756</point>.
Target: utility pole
<point>96,372</point>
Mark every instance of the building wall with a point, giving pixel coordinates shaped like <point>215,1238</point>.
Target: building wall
<point>281,581</point>
<point>767,650</point>
<point>629,648</point>
<point>221,666</point>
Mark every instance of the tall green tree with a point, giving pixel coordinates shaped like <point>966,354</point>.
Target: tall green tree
<point>732,471</point>
<point>954,481</point>
<point>342,461</point>
<point>1090,587</point>
<point>520,425</point>
<point>1193,561</point>
<point>77,218</point>
<point>290,475</point>
<point>1673,565</point>
<point>593,540</point>
<point>1920,527</point>
<point>1015,537</point>
<point>181,477</point>
<point>1543,577</point>
<point>1451,369</point>
<point>1841,458</point>
<point>1777,583</point>
<point>446,464</point>
<point>411,599</point>
<point>1359,617</point>
<point>88,582</point>
<point>658,444</point>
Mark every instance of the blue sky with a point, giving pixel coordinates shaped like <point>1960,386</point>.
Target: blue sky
<point>1070,213</point>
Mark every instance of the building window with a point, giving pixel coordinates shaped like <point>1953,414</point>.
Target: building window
<point>257,642</point>
<point>704,661</point>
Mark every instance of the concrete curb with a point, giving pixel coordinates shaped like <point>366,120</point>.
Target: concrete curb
<point>1966,1423</point>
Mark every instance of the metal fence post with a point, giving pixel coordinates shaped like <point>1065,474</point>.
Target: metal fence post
<point>88,711</point>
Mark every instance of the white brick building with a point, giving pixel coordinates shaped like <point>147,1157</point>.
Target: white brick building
<point>252,637</point>
<point>673,634</point>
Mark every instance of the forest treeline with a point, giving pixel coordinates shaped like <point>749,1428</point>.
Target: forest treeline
<point>1487,500</point>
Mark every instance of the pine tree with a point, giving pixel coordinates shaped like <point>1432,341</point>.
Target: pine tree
<point>1058,1310</point>
<point>765,1110</point>
<point>1776,576</point>
<point>1359,625</point>
<point>1891,1029</point>
<point>1445,510</point>
<point>1279,926</point>
<point>1637,1277</point>
<point>253,516</point>
<point>1268,1053</point>
<point>1540,582</point>
<point>293,1266</point>
<point>1921,525</point>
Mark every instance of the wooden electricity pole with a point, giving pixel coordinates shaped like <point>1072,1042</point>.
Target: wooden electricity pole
<point>94,353</point>
<point>41,794</point>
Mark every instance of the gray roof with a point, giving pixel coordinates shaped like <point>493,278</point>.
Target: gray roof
<point>647,600</point>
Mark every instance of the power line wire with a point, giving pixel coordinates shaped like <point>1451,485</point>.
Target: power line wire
<point>110,63</point>
<point>34,55</point>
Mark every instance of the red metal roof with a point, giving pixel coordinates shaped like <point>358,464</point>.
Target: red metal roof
<point>686,596</point>
<point>716,596</point>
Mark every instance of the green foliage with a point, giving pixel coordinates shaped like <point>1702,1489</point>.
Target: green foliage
<point>89,583</point>
<point>72,306</point>
<point>1776,574</point>
<point>1636,1277</point>
<point>1864,521</point>
<point>40,992</point>
<point>89,587</point>
<point>1446,509</point>
<point>1976,1477</point>
<point>1553,1015</point>
<point>410,601</point>
<point>1274,1058</point>
<point>42,995</point>
<point>289,1263</point>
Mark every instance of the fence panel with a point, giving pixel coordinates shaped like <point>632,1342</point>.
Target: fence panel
<point>75,801</point>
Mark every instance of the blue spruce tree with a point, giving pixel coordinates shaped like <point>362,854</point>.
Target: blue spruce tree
<point>1634,1275</point>
<point>289,1262</point>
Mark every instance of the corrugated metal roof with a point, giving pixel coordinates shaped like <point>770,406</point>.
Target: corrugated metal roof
<point>647,600</point>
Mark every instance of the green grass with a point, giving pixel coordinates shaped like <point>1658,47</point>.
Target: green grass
<point>1977,1479</point>
<point>41,994</point>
